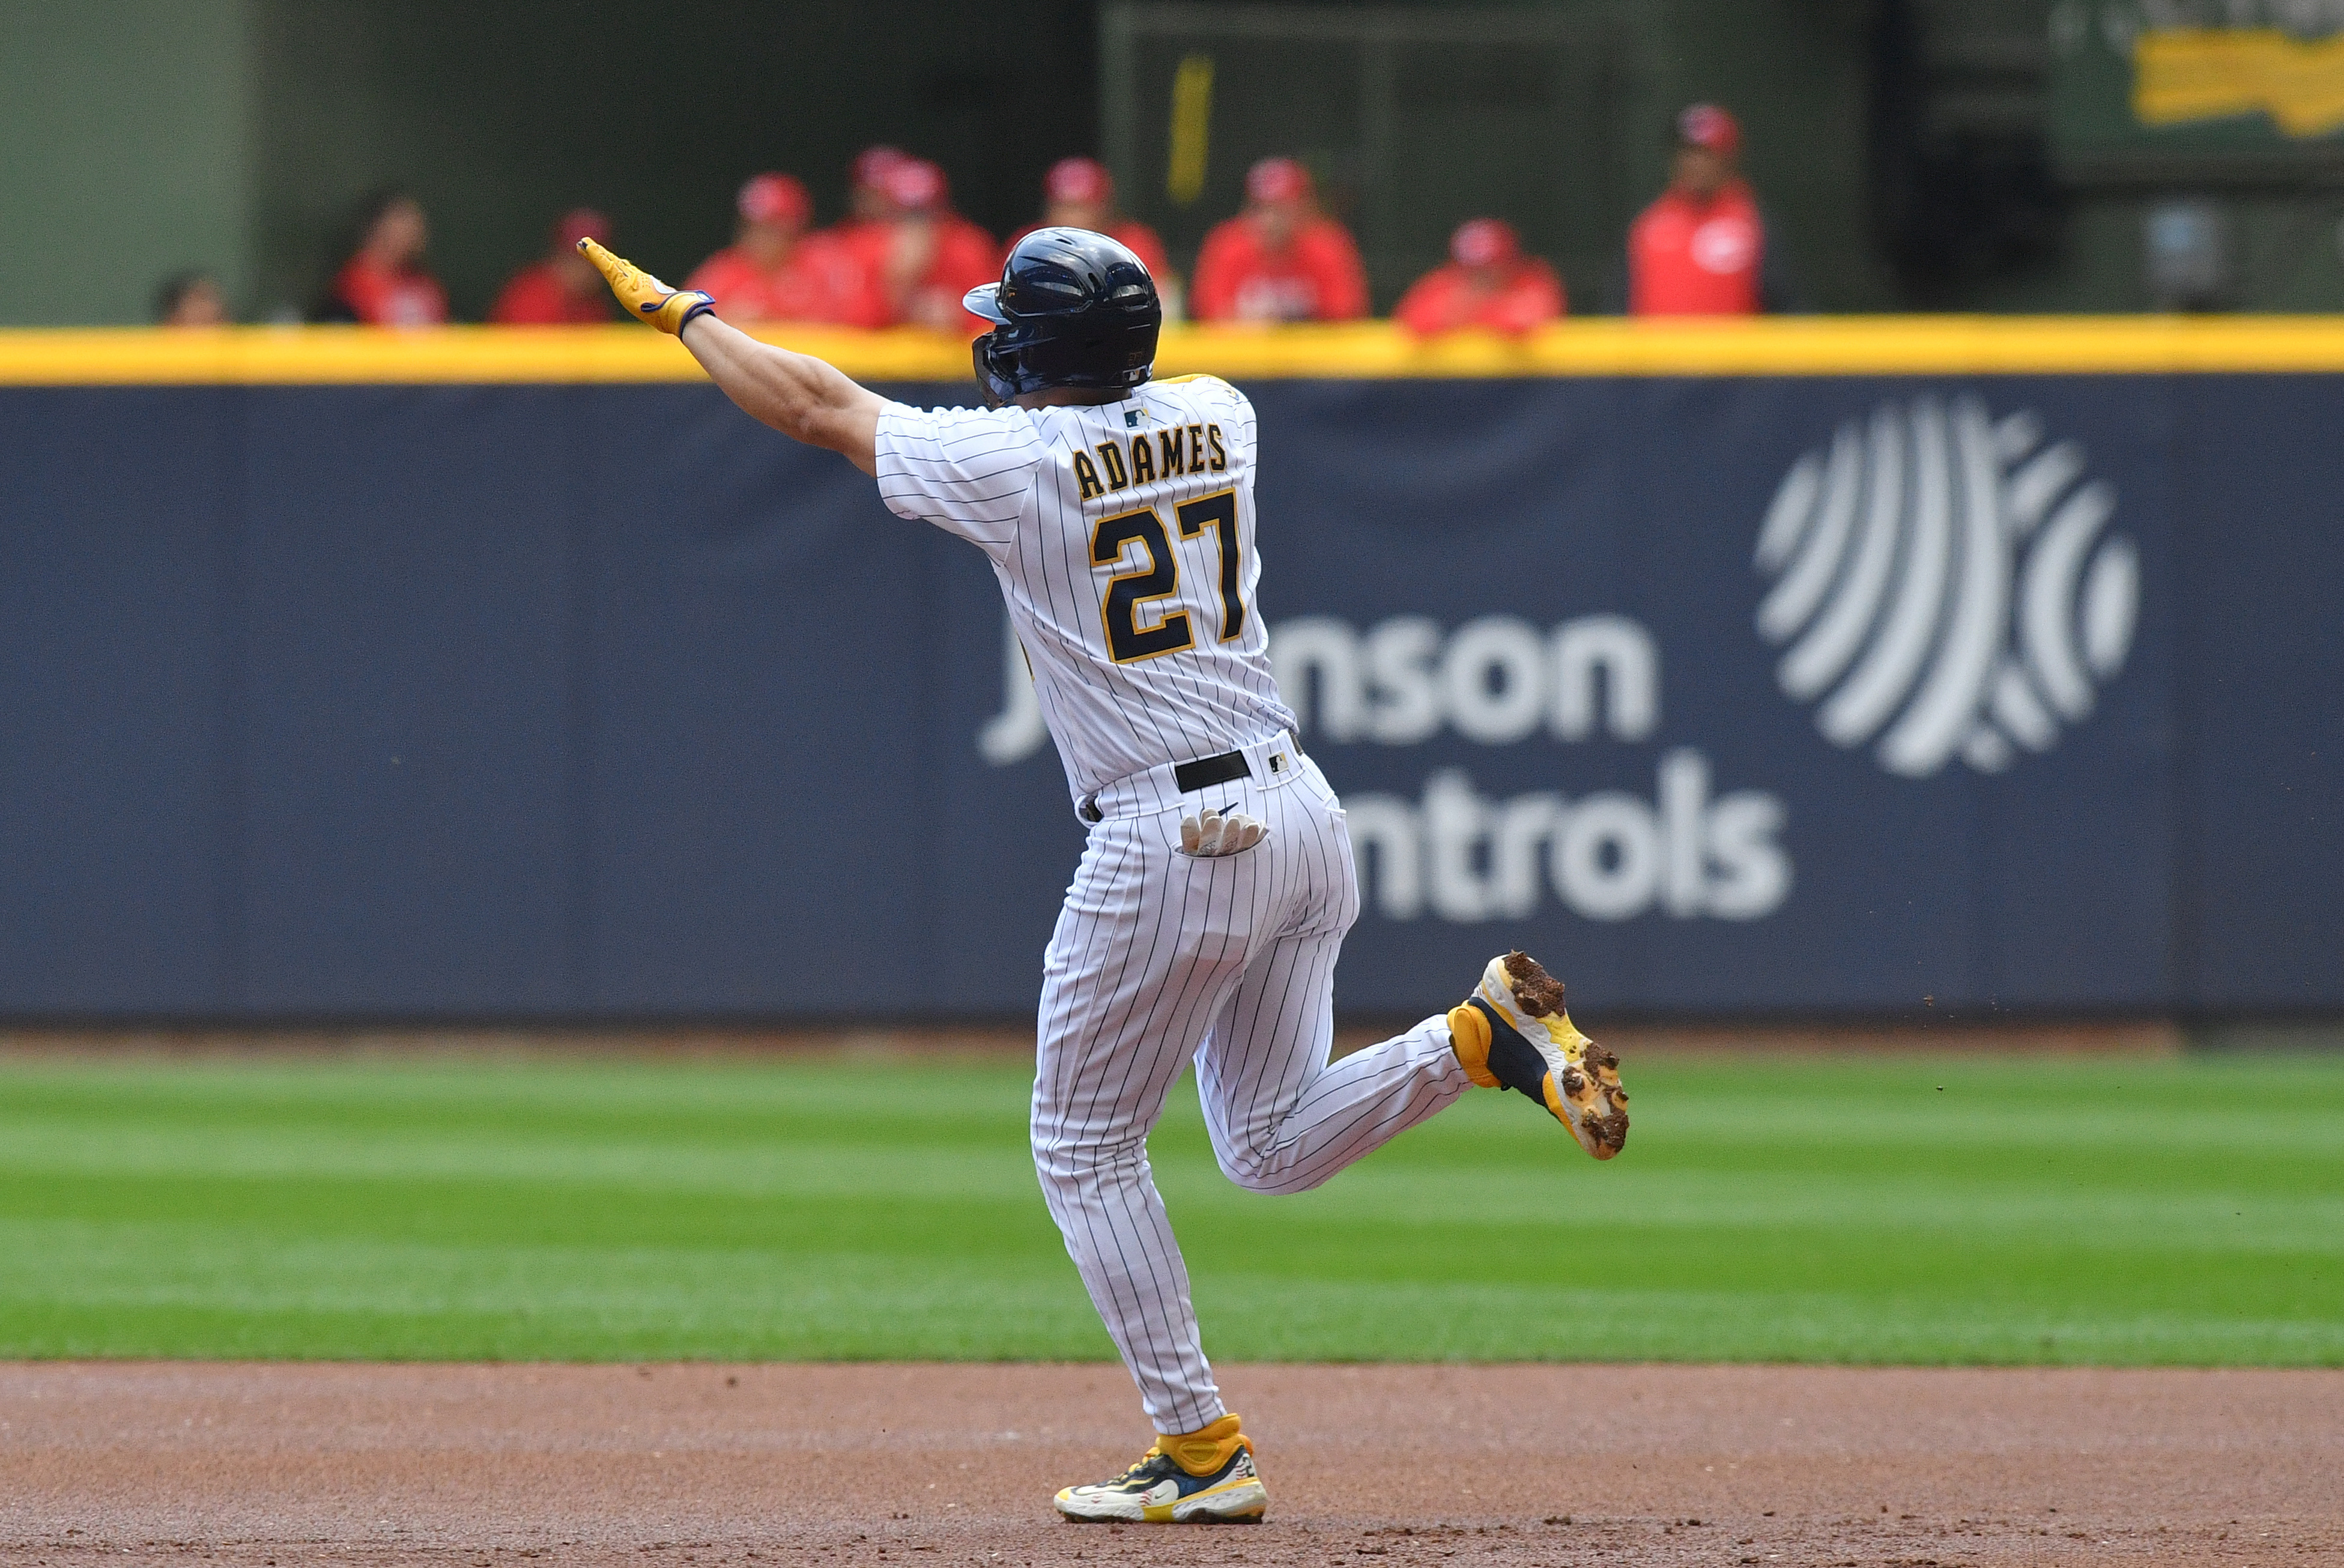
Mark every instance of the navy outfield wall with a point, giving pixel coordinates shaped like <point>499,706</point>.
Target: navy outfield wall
<point>1800,694</point>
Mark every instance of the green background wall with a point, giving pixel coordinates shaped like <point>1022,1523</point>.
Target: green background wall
<point>125,138</point>
<point>237,135</point>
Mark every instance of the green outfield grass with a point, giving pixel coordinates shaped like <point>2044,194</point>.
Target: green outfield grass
<point>1976,1209</point>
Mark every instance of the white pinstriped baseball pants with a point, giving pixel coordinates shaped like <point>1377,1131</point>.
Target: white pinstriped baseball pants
<point>1161,957</point>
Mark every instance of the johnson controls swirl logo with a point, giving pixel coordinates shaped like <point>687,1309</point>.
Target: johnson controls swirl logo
<point>1945,585</point>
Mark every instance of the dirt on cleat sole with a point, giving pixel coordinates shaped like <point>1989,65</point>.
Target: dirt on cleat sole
<point>1581,1087</point>
<point>1538,992</point>
<point>1594,1090</point>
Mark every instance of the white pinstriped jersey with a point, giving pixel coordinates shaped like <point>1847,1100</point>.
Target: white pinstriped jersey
<point>1123,535</point>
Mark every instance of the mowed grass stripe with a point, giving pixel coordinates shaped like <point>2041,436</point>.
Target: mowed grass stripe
<point>2101,1207</point>
<point>1973,1210</point>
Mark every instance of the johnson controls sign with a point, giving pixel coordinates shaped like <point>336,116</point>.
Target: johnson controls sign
<point>1453,852</point>
<point>1936,586</point>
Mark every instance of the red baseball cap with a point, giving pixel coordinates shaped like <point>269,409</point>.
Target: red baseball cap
<point>869,169</point>
<point>914,184</point>
<point>1707,126</point>
<point>774,198</point>
<point>1078,180</point>
<point>1277,179</point>
<point>581,223</point>
<point>1484,242</point>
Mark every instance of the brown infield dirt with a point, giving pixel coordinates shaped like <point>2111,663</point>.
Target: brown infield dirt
<point>658,1466</point>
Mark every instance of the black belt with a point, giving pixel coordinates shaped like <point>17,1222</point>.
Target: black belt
<point>1202,773</point>
<point>1207,772</point>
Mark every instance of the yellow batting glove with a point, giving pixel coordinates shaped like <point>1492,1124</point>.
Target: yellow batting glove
<point>646,298</point>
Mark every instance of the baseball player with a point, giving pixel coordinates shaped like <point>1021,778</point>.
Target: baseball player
<point>1204,921</point>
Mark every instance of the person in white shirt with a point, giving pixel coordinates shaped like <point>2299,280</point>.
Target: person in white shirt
<point>1207,915</point>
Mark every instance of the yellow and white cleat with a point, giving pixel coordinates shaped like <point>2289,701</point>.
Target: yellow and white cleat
<point>645,297</point>
<point>1202,1478</point>
<point>1512,1032</point>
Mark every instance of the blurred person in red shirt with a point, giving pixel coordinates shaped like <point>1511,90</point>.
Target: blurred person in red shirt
<point>561,289</point>
<point>382,281</point>
<point>867,233</point>
<point>1079,193</point>
<point>862,237</point>
<point>1701,249</point>
<point>190,300</point>
<point>775,271</point>
<point>866,190</point>
<point>1488,283</point>
<point>1281,259</point>
<point>927,256</point>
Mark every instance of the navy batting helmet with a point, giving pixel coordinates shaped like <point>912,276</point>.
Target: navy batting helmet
<point>1073,308</point>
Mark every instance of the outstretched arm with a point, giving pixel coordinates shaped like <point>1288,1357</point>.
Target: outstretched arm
<point>797,394</point>
<point>804,398</point>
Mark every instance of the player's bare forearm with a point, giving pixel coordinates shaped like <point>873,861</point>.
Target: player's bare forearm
<point>800,396</point>
<point>797,394</point>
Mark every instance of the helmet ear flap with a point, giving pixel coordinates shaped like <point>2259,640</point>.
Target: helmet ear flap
<point>999,383</point>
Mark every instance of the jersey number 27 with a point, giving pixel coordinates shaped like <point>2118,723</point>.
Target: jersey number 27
<point>1128,642</point>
